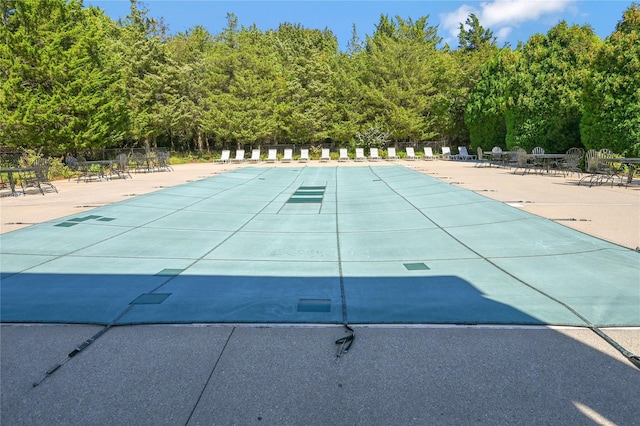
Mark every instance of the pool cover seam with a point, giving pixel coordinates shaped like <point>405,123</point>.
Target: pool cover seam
<point>579,316</point>
<point>201,258</point>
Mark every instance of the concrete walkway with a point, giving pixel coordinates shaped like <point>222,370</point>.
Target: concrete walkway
<point>257,374</point>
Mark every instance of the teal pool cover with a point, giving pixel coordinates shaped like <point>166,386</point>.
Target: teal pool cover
<point>330,245</point>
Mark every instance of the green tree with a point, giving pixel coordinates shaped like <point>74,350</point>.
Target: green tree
<point>477,46</point>
<point>401,74</point>
<point>306,58</point>
<point>59,90</point>
<point>611,98</point>
<point>141,62</point>
<point>185,100</point>
<point>544,105</point>
<point>474,36</point>
<point>246,85</point>
<point>485,110</point>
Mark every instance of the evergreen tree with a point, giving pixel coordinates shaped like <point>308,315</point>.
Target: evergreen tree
<point>545,91</point>
<point>59,88</point>
<point>611,98</point>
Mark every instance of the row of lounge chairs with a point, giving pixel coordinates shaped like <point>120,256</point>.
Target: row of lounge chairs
<point>374,155</point>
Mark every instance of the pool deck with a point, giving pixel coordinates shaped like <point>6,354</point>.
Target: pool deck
<point>401,369</point>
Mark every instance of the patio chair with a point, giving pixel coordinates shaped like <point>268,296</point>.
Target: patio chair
<point>391,154</point>
<point>522,161</point>
<point>373,154</point>
<point>72,163</point>
<point>359,154</point>
<point>599,169</point>
<point>344,155</point>
<point>120,166</point>
<point>140,162</point>
<point>304,155</point>
<point>510,158</point>
<point>224,156</point>
<point>288,155</point>
<point>446,153</point>
<point>411,155</point>
<point>482,161</point>
<point>496,156</point>
<point>255,155</point>
<point>239,156</point>
<point>326,155</point>
<point>37,177</point>
<point>273,156</point>
<point>163,163</point>
<point>428,153</point>
<point>571,162</point>
<point>538,162</point>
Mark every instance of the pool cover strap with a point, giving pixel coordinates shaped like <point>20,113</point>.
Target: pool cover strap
<point>345,342</point>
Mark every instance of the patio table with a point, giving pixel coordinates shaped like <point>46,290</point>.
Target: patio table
<point>86,171</point>
<point>548,159</point>
<point>12,182</point>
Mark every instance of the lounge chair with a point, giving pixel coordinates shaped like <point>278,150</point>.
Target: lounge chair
<point>428,153</point>
<point>255,155</point>
<point>411,154</point>
<point>463,154</point>
<point>325,156</point>
<point>273,156</point>
<point>239,156</point>
<point>359,154</point>
<point>373,154</point>
<point>391,154</point>
<point>288,155</point>
<point>446,153</point>
<point>304,155</point>
<point>224,156</point>
<point>344,156</point>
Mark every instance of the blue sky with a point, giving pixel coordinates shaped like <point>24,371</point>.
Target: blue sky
<point>510,20</point>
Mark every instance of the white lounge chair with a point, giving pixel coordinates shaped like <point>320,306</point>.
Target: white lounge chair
<point>273,156</point>
<point>391,154</point>
<point>446,153</point>
<point>463,154</point>
<point>411,154</point>
<point>374,155</point>
<point>344,156</point>
<point>224,156</point>
<point>304,155</point>
<point>255,156</point>
<point>288,155</point>
<point>239,156</point>
<point>428,153</point>
<point>326,155</point>
<point>360,154</point>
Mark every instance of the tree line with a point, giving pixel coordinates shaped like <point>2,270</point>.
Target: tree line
<point>73,80</point>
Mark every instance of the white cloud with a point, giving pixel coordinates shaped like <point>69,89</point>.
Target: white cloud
<point>503,32</point>
<point>502,15</point>
<point>512,12</point>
